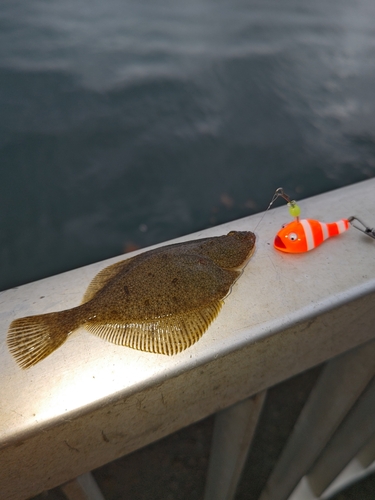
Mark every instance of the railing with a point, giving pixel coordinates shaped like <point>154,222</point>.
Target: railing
<point>91,402</point>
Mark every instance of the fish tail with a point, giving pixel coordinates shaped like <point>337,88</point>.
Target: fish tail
<point>33,338</point>
<point>338,227</point>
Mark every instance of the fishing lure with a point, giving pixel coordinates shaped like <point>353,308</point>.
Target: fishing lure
<point>306,234</point>
<point>302,235</point>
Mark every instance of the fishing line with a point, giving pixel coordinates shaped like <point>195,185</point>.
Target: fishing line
<point>294,209</point>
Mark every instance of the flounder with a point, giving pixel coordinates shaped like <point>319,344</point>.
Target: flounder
<point>160,301</point>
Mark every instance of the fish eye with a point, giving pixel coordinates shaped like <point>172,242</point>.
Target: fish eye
<point>283,225</point>
<point>292,236</point>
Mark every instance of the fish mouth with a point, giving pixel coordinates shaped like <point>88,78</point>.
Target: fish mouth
<point>279,242</point>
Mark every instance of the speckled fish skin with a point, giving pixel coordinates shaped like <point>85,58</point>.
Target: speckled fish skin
<point>160,301</point>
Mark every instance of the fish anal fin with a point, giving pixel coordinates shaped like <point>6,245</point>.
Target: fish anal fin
<point>103,277</point>
<point>33,338</point>
<point>169,335</point>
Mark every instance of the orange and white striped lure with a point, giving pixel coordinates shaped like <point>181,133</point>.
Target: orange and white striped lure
<point>302,235</point>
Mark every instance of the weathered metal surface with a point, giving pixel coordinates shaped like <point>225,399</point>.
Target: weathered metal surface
<point>91,402</point>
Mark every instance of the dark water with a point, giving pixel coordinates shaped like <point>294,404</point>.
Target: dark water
<point>128,123</point>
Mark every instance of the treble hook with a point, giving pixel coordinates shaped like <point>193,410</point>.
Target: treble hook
<point>366,230</point>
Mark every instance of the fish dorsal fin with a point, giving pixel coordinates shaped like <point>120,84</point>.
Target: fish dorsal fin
<point>168,335</point>
<point>103,277</point>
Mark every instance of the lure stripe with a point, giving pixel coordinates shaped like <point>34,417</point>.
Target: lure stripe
<point>342,226</point>
<point>325,232</point>
<point>308,233</point>
<point>317,231</point>
<point>333,229</point>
